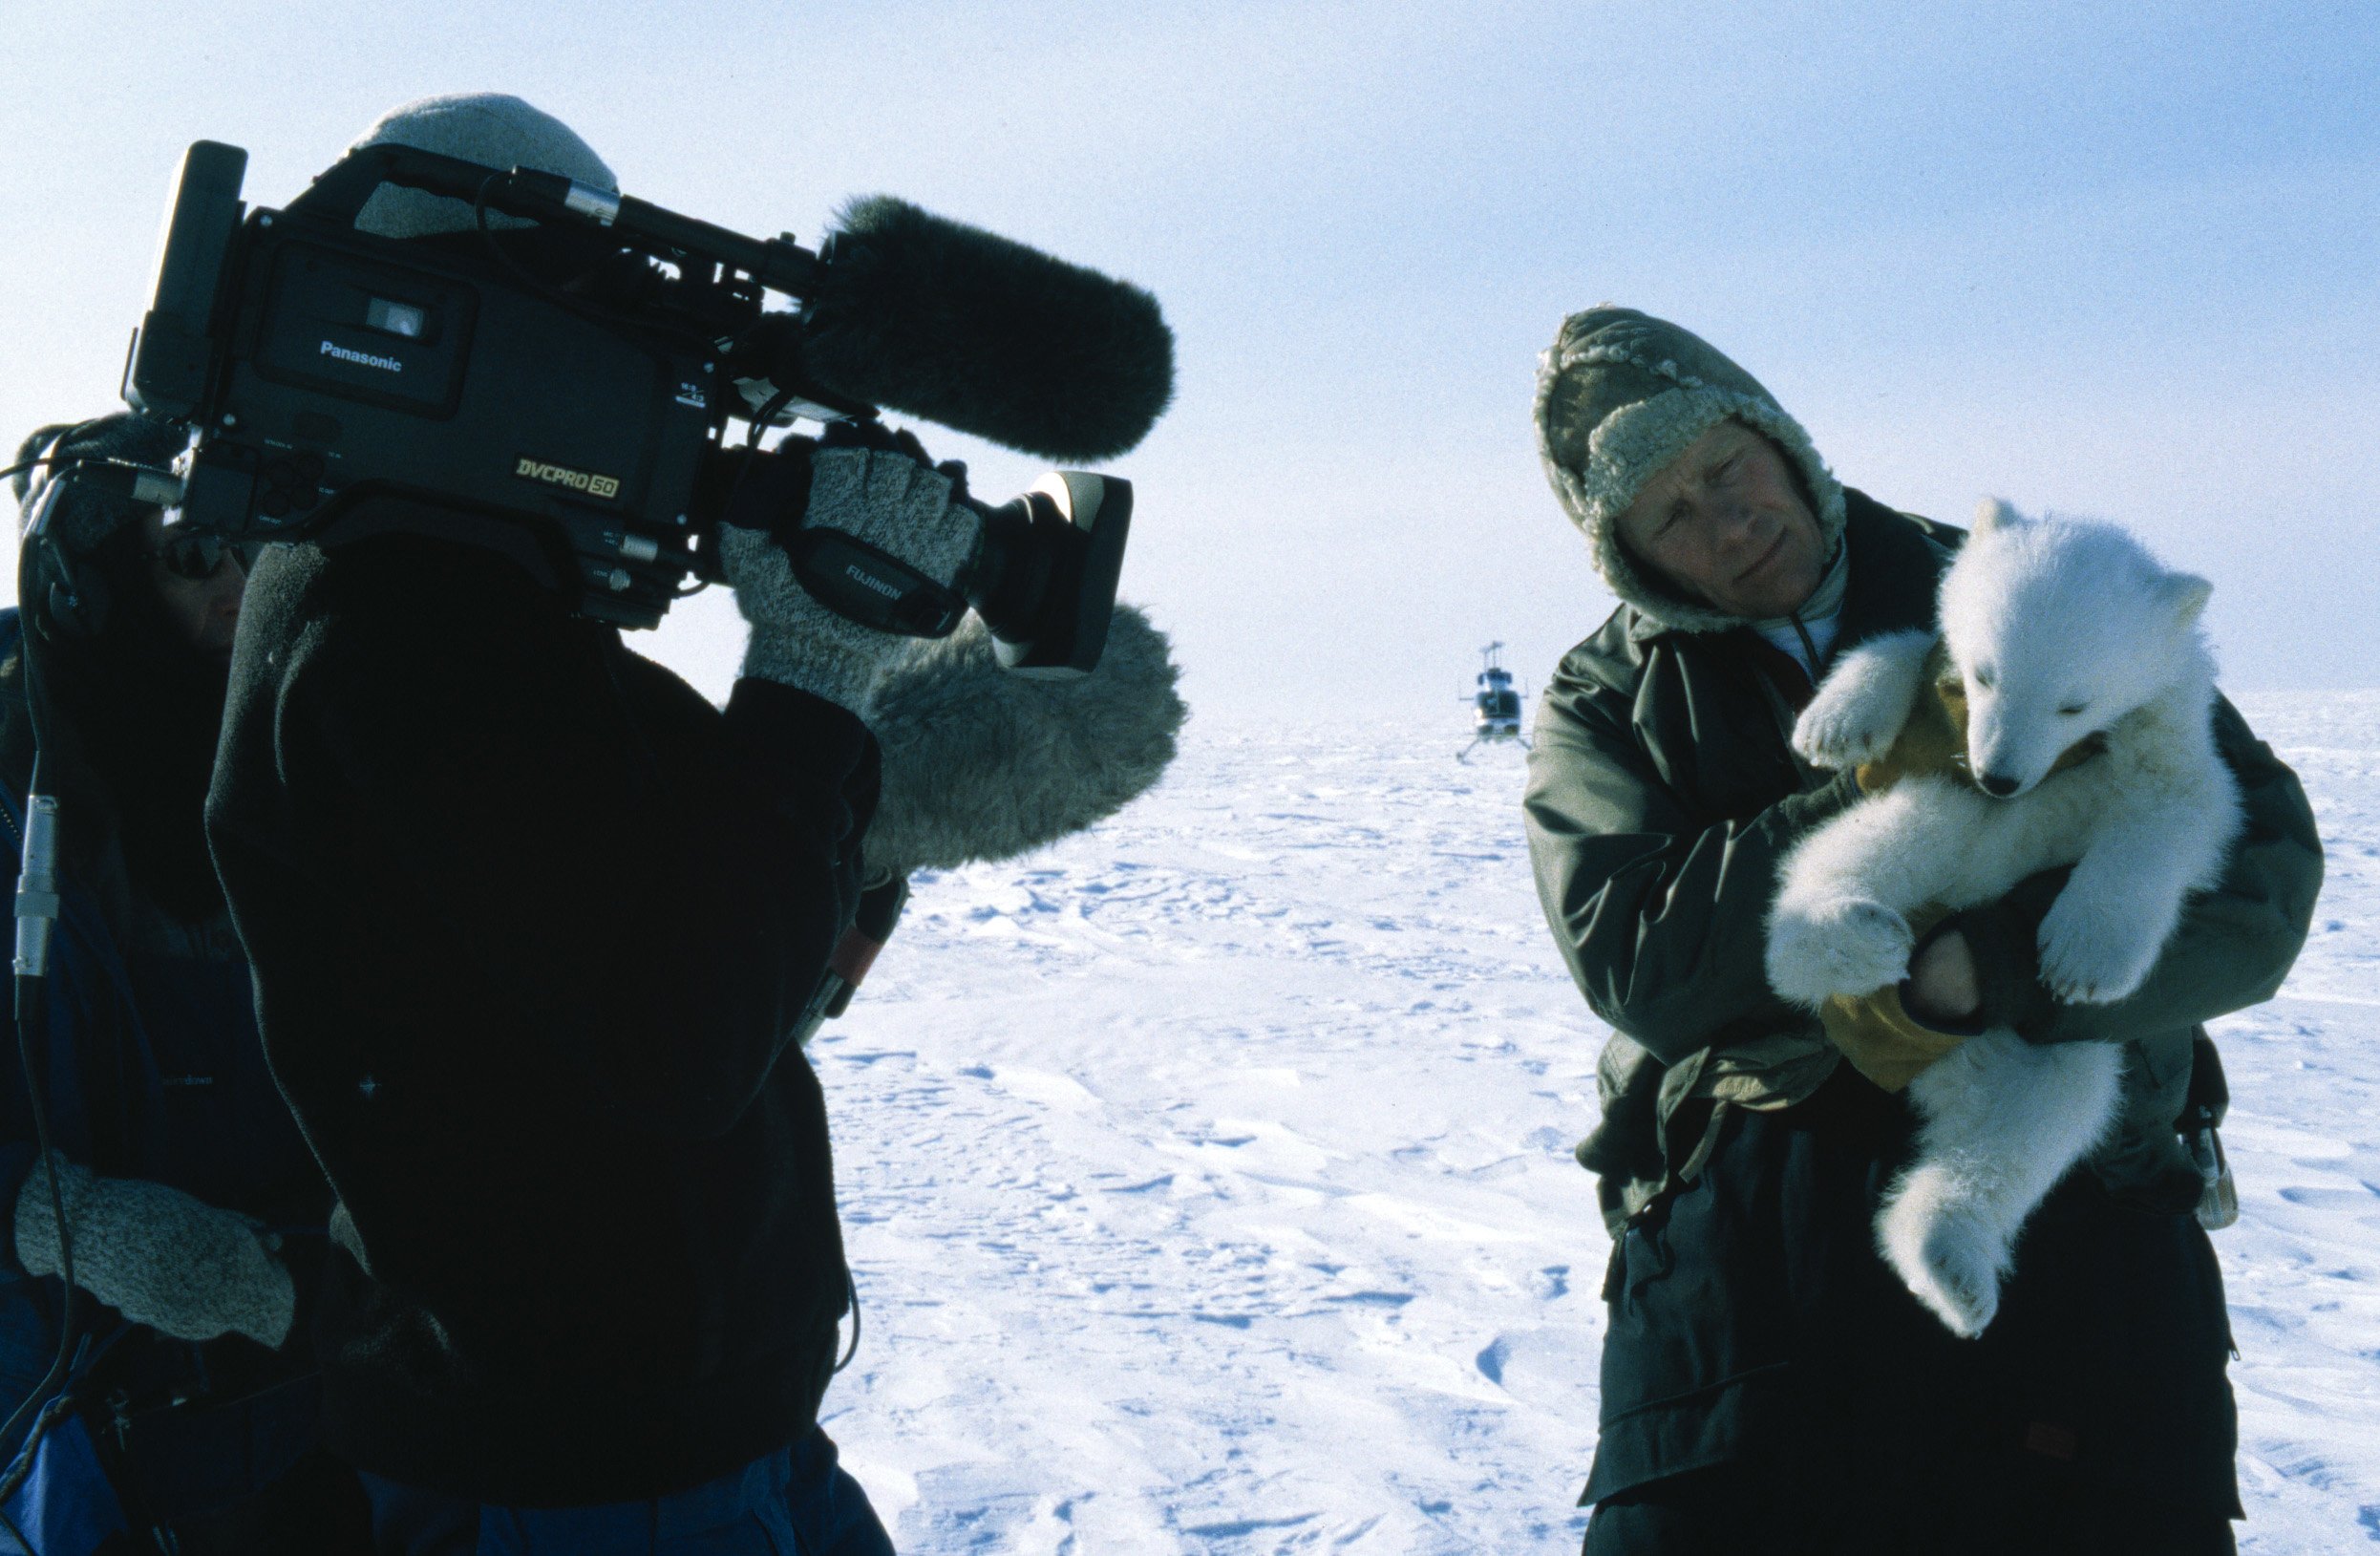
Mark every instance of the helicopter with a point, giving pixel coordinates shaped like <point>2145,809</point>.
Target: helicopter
<point>1494,706</point>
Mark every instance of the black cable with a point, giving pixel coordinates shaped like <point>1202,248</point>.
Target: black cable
<point>611,318</point>
<point>752,444</point>
<point>851,1287</point>
<point>537,283</point>
<point>33,465</point>
<point>31,1012</point>
<point>767,414</point>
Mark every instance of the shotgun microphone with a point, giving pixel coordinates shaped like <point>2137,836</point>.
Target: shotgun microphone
<point>946,321</point>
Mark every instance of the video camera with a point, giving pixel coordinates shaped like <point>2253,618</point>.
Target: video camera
<point>564,395</point>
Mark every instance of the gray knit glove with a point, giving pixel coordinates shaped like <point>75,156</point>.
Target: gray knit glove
<point>158,1256</point>
<point>901,506</point>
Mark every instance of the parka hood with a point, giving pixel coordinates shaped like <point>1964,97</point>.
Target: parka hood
<point>1619,396</point>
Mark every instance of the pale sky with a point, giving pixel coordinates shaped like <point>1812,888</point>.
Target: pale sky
<point>2096,259</point>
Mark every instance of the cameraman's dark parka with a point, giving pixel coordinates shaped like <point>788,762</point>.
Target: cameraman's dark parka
<point>532,924</point>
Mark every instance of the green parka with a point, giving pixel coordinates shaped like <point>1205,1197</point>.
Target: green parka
<point>1663,792</point>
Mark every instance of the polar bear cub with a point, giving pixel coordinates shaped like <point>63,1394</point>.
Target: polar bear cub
<point>2089,692</point>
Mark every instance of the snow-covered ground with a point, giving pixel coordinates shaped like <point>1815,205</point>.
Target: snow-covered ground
<point>1207,1177</point>
<point>2303,1265</point>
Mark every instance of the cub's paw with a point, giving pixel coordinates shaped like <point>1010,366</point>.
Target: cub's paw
<point>1950,1259</point>
<point>2092,956</point>
<point>1847,945</point>
<point>1847,724</point>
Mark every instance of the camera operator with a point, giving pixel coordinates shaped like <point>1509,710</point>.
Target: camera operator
<point>190,1195</point>
<point>534,926</point>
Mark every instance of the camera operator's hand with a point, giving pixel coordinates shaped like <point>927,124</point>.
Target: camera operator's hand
<point>878,488</point>
<point>158,1256</point>
<point>982,764</point>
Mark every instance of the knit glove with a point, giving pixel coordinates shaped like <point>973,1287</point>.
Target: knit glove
<point>887,497</point>
<point>158,1256</point>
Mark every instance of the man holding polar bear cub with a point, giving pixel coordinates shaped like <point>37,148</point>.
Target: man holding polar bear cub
<point>1770,1382</point>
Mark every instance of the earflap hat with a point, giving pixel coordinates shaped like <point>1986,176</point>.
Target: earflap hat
<point>1619,396</point>
<point>492,128</point>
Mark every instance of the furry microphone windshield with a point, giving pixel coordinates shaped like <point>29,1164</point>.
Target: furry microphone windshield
<point>947,322</point>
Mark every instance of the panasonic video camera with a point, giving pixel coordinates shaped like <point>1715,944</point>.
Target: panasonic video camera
<point>562,393</point>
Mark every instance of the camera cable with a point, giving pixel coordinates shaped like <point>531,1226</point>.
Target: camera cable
<point>15,470</point>
<point>519,272</point>
<point>37,910</point>
<point>851,1288</point>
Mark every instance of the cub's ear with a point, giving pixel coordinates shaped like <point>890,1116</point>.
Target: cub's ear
<point>1994,513</point>
<point>2184,594</point>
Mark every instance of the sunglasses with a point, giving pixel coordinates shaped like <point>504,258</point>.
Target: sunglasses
<point>196,556</point>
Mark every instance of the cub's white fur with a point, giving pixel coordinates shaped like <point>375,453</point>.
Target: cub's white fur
<point>2060,631</point>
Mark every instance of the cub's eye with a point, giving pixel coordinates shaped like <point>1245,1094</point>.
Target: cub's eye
<point>1983,678</point>
<point>2074,710</point>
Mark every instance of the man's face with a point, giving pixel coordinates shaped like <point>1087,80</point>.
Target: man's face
<point>1725,524</point>
<point>204,609</point>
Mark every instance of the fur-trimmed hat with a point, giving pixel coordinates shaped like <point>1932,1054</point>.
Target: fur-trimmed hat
<point>1619,396</point>
<point>492,128</point>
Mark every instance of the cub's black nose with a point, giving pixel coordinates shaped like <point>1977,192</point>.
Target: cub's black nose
<point>1998,787</point>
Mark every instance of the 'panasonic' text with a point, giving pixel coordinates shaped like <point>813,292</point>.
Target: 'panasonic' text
<point>362,359</point>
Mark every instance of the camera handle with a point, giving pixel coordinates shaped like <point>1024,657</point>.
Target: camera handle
<point>777,264</point>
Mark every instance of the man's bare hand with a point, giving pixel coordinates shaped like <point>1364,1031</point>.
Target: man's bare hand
<point>1941,982</point>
